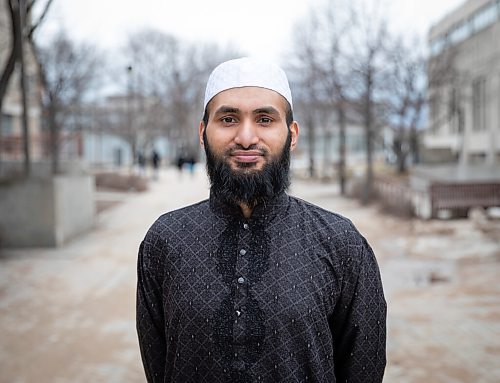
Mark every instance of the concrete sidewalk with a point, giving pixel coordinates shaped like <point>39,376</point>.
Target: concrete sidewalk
<point>68,314</point>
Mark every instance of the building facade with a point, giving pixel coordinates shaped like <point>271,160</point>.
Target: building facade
<point>464,84</point>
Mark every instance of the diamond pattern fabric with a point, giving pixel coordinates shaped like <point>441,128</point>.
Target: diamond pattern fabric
<point>292,294</point>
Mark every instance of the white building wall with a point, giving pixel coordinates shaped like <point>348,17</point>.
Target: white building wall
<point>477,56</point>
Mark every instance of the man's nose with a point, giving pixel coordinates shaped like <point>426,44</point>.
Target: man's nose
<point>246,134</point>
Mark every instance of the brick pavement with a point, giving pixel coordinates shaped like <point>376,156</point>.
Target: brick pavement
<point>67,314</point>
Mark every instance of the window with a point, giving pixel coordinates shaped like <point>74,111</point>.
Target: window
<point>7,122</point>
<point>460,32</point>
<point>437,45</point>
<point>452,104</point>
<point>479,104</point>
<point>434,111</point>
<point>461,120</point>
<point>485,17</point>
<point>455,111</point>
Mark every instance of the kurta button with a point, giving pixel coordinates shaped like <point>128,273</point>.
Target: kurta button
<point>245,226</point>
<point>241,280</point>
<point>243,251</point>
<point>238,313</point>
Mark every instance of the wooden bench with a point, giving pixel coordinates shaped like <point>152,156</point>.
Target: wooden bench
<point>464,195</point>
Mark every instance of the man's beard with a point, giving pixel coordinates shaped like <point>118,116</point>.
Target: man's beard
<point>245,185</point>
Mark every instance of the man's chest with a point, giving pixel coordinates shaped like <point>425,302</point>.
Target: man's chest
<point>247,277</point>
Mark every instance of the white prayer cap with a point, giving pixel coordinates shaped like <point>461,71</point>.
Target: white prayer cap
<point>247,71</point>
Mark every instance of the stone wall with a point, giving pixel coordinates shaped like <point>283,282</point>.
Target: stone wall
<point>45,211</point>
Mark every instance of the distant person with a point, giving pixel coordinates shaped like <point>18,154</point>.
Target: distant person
<point>155,160</point>
<point>254,285</point>
<point>141,161</point>
<point>180,163</point>
<point>191,161</point>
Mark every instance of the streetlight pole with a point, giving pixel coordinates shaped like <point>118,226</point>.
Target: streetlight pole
<point>131,133</point>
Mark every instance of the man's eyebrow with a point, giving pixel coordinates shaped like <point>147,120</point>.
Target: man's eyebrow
<point>227,109</point>
<point>266,110</point>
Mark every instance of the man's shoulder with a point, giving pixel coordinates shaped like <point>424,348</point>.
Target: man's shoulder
<point>182,217</point>
<point>321,223</point>
<point>310,210</point>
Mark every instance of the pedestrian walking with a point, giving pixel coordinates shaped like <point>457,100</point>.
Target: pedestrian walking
<point>141,161</point>
<point>155,161</point>
<point>180,163</point>
<point>252,284</point>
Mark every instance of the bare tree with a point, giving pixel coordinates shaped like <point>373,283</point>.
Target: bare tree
<point>68,73</point>
<point>305,77</point>
<point>334,23</point>
<point>23,25</point>
<point>369,42</point>
<point>407,101</point>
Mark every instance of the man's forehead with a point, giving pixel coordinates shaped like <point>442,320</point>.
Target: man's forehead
<point>248,98</point>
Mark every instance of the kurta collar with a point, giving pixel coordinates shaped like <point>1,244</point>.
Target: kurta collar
<point>262,212</point>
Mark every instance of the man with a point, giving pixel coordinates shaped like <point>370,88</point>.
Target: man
<point>253,285</point>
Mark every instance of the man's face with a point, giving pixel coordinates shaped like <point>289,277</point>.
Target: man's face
<point>248,143</point>
<point>247,127</point>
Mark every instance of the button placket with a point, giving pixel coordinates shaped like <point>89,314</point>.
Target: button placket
<point>240,282</point>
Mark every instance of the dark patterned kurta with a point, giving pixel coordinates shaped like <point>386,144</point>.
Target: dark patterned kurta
<point>292,294</point>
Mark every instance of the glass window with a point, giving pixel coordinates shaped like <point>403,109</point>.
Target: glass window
<point>485,17</point>
<point>433,107</point>
<point>7,123</point>
<point>479,104</point>
<point>437,45</point>
<point>460,33</point>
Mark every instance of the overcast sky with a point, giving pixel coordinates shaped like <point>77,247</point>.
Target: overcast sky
<point>258,27</point>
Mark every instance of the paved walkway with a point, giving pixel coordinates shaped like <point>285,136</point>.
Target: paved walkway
<point>67,314</point>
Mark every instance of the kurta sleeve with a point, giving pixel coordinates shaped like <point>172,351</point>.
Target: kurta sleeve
<point>359,322</point>
<point>149,314</point>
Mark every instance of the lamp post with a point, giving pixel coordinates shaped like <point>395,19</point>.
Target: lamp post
<point>130,130</point>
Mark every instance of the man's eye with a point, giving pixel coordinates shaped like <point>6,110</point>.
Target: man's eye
<point>265,120</point>
<point>228,120</point>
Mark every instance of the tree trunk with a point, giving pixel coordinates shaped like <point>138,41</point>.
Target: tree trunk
<point>342,148</point>
<point>6,75</point>
<point>399,150</point>
<point>414,147</point>
<point>312,143</point>
<point>10,64</point>
<point>368,184</point>
<point>402,163</point>
<point>22,84</point>
<point>54,135</point>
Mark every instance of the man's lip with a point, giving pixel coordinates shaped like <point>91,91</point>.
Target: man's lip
<point>246,155</point>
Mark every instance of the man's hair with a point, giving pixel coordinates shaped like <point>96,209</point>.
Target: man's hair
<point>288,114</point>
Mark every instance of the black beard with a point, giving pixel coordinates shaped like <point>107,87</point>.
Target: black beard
<point>247,186</point>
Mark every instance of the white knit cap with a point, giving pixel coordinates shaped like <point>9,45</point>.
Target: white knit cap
<point>247,71</point>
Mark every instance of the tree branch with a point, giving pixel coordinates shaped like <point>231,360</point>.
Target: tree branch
<point>34,26</point>
<point>14,53</point>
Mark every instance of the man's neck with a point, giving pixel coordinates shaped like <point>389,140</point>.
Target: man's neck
<point>246,210</point>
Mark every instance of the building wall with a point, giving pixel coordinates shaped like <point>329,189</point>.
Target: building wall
<point>326,150</point>
<point>465,109</point>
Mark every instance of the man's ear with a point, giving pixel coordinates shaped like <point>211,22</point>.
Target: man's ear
<point>294,132</point>
<point>201,130</point>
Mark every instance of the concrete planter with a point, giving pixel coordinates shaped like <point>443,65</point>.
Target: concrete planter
<point>46,211</point>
